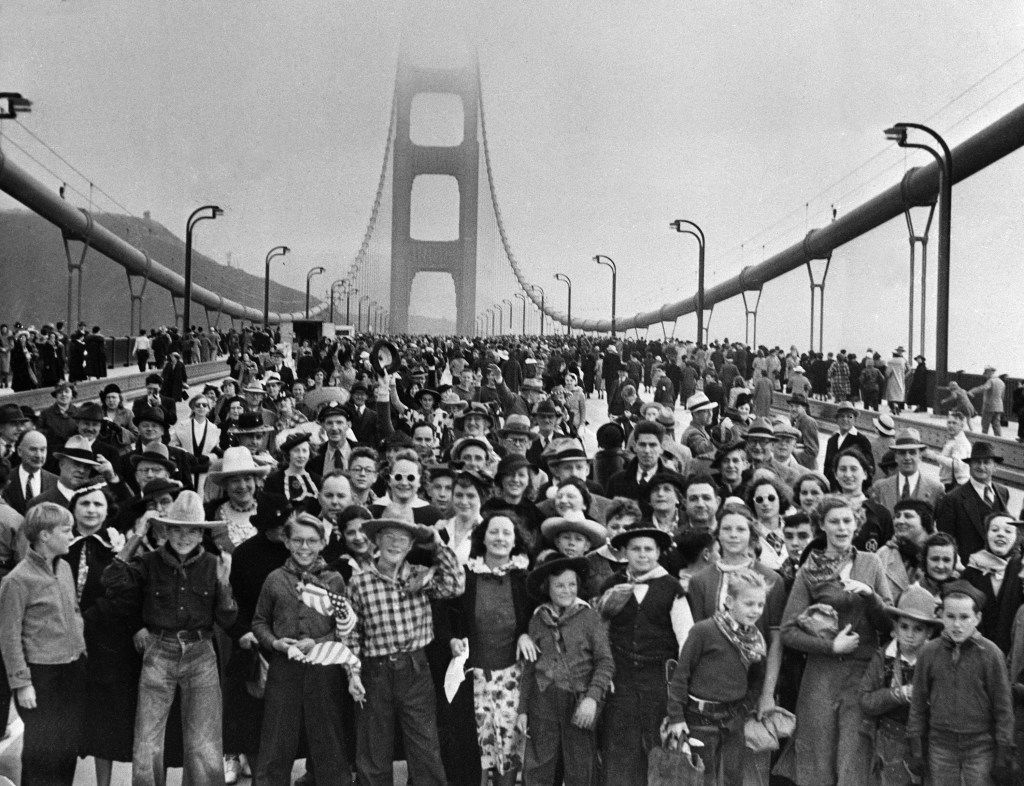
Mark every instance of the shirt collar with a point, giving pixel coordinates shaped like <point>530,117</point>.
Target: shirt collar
<point>68,493</point>
<point>24,474</point>
<point>913,480</point>
<point>891,651</point>
<point>980,488</point>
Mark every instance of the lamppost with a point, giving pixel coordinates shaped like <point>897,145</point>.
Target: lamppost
<point>568,283</point>
<point>508,303</point>
<point>490,310</point>
<point>898,134</point>
<point>276,251</point>
<point>341,282</point>
<point>607,261</point>
<point>316,271</point>
<point>522,297</point>
<point>359,318</point>
<point>541,290</point>
<point>193,219</point>
<point>679,225</point>
<point>348,304</point>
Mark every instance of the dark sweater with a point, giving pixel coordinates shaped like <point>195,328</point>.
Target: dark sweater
<point>710,668</point>
<point>961,693</point>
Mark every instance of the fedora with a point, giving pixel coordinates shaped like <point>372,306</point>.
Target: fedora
<point>980,451</point>
<point>762,428</point>
<point>908,439</point>
<point>151,415</point>
<point>884,424</point>
<point>845,407</point>
<point>187,511</point>
<point>517,425</point>
<point>77,449</point>
<point>916,603</point>
<point>156,453</point>
<point>418,532</point>
<point>536,579</point>
<point>89,411</point>
<point>699,401</point>
<point>11,413</point>
<point>553,527</point>
<point>547,407</point>
<point>249,423</point>
<point>564,449</point>
<point>237,462</point>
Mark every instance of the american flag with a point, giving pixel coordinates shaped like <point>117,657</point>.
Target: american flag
<point>330,604</point>
<point>332,653</point>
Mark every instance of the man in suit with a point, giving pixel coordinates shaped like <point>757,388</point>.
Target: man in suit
<point>807,449</point>
<point>993,389</point>
<point>961,513</point>
<point>334,453</point>
<point>152,425</point>
<point>29,479</point>
<point>908,482</point>
<point>546,417</point>
<point>633,480</point>
<point>566,460</point>
<point>363,418</point>
<point>846,437</point>
<point>153,398</point>
<point>79,466</point>
<point>12,423</point>
<point>89,419</point>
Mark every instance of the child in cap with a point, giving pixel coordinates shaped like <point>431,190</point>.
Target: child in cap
<point>562,691</point>
<point>886,687</point>
<point>960,727</point>
<point>719,677</point>
<point>177,592</point>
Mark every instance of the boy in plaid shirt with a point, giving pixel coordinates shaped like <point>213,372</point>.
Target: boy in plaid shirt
<point>391,601</point>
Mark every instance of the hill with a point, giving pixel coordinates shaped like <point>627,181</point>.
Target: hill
<point>33,272</point>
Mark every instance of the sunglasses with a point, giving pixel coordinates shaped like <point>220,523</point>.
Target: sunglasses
<point>769,498</point>
<point>398,478</point>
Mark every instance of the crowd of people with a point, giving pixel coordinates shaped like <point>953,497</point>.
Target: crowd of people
<point>426,548</point>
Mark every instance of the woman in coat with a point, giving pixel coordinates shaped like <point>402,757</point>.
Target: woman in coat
<point>493,616</point>
<point>115,412</point>
<point>51,361</point>
<point>23,376</point>
<point>853,475</point>
<point>917,395</point>
<point>828,749</point>
<point>995,570</point>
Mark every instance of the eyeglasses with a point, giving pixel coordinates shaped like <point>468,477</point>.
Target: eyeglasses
<point>299,542</point>
<point>398,478</point>
<point>769,498</point>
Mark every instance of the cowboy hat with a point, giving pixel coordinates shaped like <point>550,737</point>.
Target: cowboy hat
<point>536,579</point>
<point>662,538</point>
<point>186,511</point>
<point>77,449</point>
<point>916,603</point>
<point>418,532</point>
<point>237,462</point>
<point>155,453</point>
<point>553,527</point>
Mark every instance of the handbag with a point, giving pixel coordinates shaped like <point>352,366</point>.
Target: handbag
<point>256,684</point>
<point>674,763</point>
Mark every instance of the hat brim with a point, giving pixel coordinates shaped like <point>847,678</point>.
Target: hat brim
<point>59,455</point>
<point>418,532</point>
<point>553,527</point>
<point>898,613</point>
<point>253,430</point>
<point>996,458</point>
<point>183,523</point>
<point>505,432</point>
<point>137,458</point>
<point>702,407</point>
<point>662,538</point>
<point>911,446</point>
<point>393,363</point>
<point>536,579</point>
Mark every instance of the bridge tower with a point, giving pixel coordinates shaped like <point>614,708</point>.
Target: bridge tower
<point>456,257</point>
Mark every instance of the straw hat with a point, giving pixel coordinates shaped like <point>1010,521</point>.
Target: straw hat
<point>77,449</point>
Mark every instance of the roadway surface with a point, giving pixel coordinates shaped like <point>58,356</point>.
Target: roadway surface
<point>10,748</point>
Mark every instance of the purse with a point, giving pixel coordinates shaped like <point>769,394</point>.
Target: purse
<point>674,763</point>
<point>256,685</point>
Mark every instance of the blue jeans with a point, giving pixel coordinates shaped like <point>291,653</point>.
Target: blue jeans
<point>168,664</point>
<point>960,759</point>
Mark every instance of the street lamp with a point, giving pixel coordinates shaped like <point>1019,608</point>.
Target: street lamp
<point>679,225</point>
<point>522,297</point>
<point>348,303</point>
<point>341,282</point>
<point>276,251</point>
<point>11,104</point>
<point>898,134</point>
<point>508,303</point>
<point>541,290</point>
<point>193,219</point>
<point>359,318</point>
<point>316,271</point>
<point>607,261</point>
<point>568,283</point>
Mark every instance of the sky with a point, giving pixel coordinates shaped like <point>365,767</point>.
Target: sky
<point>606,121</point>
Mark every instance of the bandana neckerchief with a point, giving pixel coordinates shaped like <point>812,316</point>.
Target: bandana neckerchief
<point>747,639</point>
<point>549,616</point>
<point>820,568</point>
<point>309,574</point>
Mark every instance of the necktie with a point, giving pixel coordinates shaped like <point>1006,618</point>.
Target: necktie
<point>989,499</point>
<point>29,491</point>
<point>905,494</point>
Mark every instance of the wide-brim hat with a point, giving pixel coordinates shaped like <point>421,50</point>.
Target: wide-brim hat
<point>249,423</point>
<point>155,453</point>
<point>418,532</point>
<point>884,425</point>
<point>151,415</point>
<point>77,449</point>
<point>699,402</point>
<point>425,392</point>
<point>908,439</point>
<point>981,451</point>
<point>11,413</point>
<point>450,400</point>
<point>88,411</point>
<point>518,425</point>
<point>845,407</point>
<point>799,370</point>
<point>237,461</point>
<point>536,579</point>
<point>916,603</point>
<point>662,538</point>
<point>187,511</point>
<point>385,358</point>
<point>664,476</point>
<point>572,452</point>
<point>553,527</point>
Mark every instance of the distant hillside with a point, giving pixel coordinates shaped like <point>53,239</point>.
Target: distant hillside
<point>33,272</point>
<point>418,323</point>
